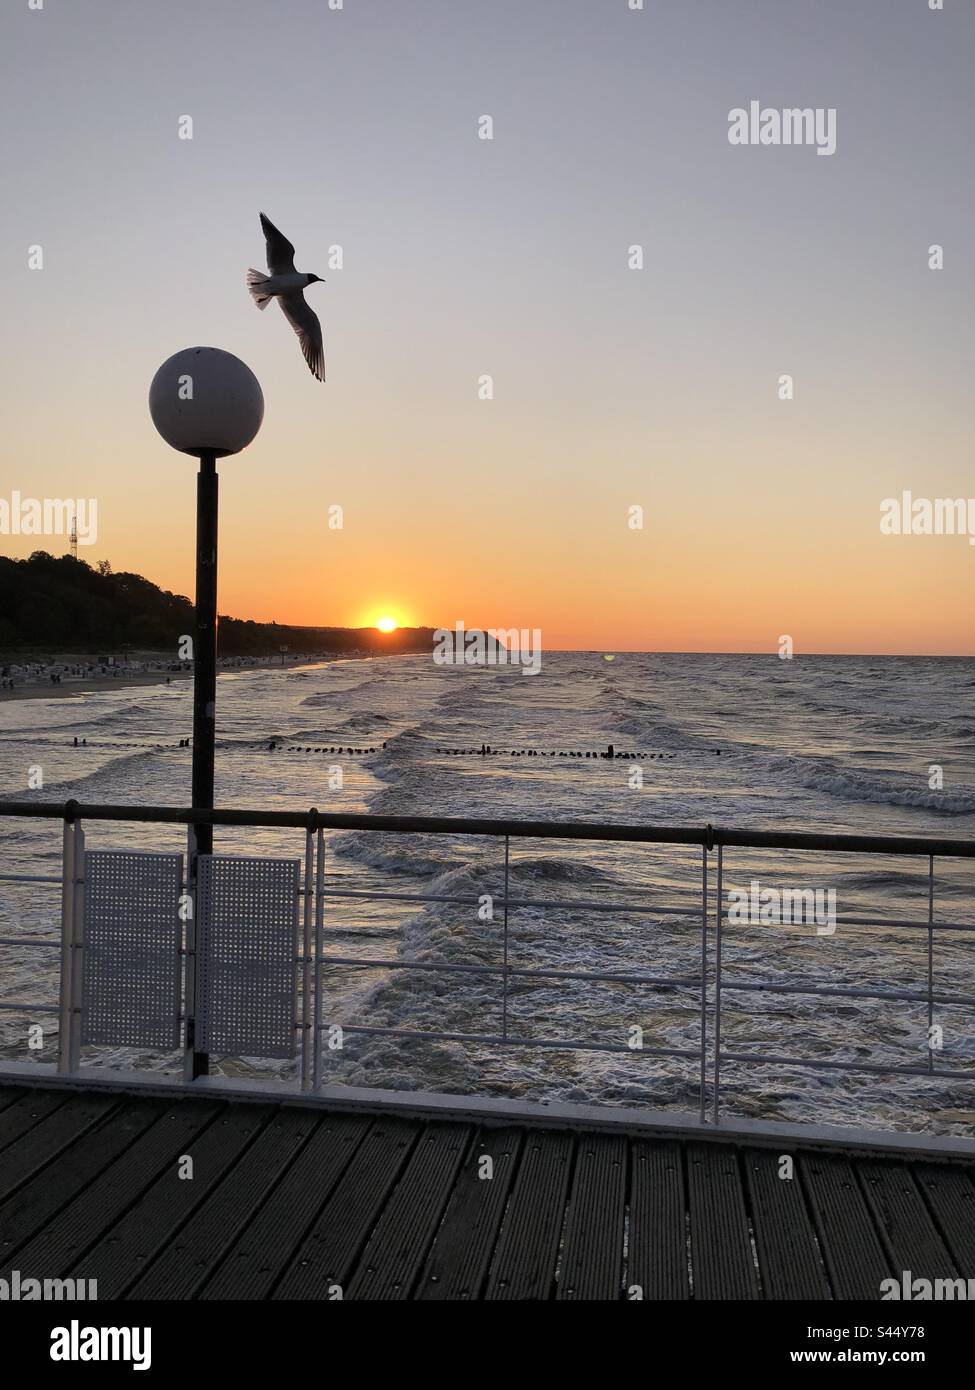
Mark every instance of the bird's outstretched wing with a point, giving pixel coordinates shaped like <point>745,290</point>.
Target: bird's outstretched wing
<point>280,252</point>
<point>304,321</point>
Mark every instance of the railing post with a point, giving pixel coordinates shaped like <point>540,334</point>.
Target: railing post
<point>319,922</point>
<point>504,977</point>
<point>67,941</point>
<point>194,1063</point>
<point>717,989</point>
<point>704,976</point>
<point>78,954</point>
<point>930,960</point>
<point>306,983</point>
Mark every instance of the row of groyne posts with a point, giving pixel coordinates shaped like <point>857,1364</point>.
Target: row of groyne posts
<point>611,753</point>
<point>487,751</point>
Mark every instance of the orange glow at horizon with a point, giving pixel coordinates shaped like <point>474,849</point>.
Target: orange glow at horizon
<point>771,529</point>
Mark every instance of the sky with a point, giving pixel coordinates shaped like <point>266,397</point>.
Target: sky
<point>465,258</point>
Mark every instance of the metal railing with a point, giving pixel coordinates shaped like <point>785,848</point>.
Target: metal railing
<point>709,980</point>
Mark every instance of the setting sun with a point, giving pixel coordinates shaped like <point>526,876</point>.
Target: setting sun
<point>387,624</point>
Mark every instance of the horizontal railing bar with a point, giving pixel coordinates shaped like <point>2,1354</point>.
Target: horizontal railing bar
<point>659,981</point>
<point>861,922</point>
<point>846,992</point>
<point>874,1068</point>
<point>845,843</point>
<point>18,1008</point>
<point>665,982</point>
<point>462,825</point>
<point>519,972</point>
<point>651,908</point>
<point>568,1044</point>
<point>498,901</point>
<point>29,878</point>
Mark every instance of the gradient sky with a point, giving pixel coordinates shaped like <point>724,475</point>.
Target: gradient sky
<point>462,257</point>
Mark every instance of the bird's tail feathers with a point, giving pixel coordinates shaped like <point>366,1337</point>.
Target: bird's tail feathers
<point>256,280</point>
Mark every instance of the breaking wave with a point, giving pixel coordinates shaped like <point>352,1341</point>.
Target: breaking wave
<point>847,785</point>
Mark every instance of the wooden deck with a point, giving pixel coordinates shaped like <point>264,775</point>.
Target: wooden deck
<point>287,1202</point>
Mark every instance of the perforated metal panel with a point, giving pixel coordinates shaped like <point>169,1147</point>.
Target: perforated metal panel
<point>247,919</point>
<point>131,973</point>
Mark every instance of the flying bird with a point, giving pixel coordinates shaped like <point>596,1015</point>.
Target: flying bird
<point>286,285</point>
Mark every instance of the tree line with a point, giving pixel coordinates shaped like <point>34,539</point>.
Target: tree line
<point>58,603</point>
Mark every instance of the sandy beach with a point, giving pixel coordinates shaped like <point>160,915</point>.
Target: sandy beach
<point>87,685</point>
<point>43,688</point>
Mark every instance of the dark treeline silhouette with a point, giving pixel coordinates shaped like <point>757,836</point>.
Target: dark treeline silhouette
<point>63,604</point>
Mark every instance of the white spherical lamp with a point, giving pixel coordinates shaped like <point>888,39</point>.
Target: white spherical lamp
<point>205,401</point>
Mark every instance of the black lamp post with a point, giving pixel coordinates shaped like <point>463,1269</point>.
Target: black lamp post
<point>205,645</point>
<point>207,403</point>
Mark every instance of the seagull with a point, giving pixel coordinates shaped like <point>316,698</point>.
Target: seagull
<point>286,285</point>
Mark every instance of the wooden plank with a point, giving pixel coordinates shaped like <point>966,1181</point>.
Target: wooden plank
<point>254,1263</point>
<point>851,1248</point>
<point>56,1132</point>
<point>324,1262</point>
<point>524,1262</point>
<point>658,1263</point>
<point>39,1201</point>
<point>722,1266</point>
<point>592,1253</point>
<point>907,1231</point>
<point>26,1112</point>
<point>394,1253</point>
<point>63,1241</point>
<point>129,1246</point>
<point>8,1094</point>
<point>789,1259</point>
<point>190,1258</point>
<point>458,1263</point>
<point>950,1194</point>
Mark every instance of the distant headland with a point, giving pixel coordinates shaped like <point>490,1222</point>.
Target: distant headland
<point>59,604</point>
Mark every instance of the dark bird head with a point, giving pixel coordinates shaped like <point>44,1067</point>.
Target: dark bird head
<point>312,279</point>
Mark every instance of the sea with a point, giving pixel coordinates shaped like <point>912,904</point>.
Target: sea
<point>869,745</point>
